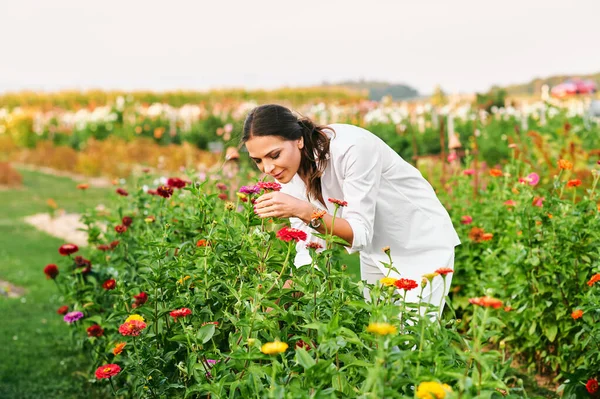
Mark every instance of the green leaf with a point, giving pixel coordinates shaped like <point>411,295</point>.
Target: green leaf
<point>304,359</point>
<point>206,333</point>
<point>551,332</point>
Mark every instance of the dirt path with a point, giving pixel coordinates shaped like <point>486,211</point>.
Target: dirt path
<point>66,226</point>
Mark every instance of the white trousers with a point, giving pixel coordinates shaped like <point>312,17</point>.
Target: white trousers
<point>371,273</point>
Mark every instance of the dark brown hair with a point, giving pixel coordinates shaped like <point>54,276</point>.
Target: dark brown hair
<point>276,120</point>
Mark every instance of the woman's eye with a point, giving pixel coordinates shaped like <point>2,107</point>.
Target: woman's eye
<point>257,161</point>
<point>275,156</point>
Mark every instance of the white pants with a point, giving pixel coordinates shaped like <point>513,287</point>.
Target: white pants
<point>371,273</point>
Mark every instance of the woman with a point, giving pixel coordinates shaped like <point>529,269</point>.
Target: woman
<point>389,203</point>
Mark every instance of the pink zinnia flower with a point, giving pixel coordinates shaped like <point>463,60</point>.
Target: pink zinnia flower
<point>132,328</point>
<point>468,172</point>
<point>466,219</point>
<point>538,201</point>
<point>510,203</point>
<point>268,186</point>
<point>533,179</point>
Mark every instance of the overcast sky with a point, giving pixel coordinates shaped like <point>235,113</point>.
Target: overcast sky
<point>463,45</point>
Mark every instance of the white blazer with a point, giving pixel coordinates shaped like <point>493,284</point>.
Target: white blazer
<point>389,204</point>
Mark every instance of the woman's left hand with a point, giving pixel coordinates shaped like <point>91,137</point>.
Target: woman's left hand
<point>279,205</point>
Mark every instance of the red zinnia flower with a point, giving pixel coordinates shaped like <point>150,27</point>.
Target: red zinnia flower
<point>103,247</point>
<point>510,203</point>
<point>114,244</point>
<point>301,344</point>
<point>132,328</point>
<point>164,191</point>
<point>337,202</point>
<point>122,192</point>
<point>107,371</point>
<point>120,229</point>
<point>223,196</point>
<point>406,284</point>
<point>442,271</point>
<point>63,310</point>
<point>95,331</point>
<point>595,278</point>
<point>68,249</point>
<point>288,234</point>
<point>183,312</point>
<point>314,245</point>
<point>202,243</point>
<point>109,284</point>
<point>51,271</point>
<point>268,186</point>
<point>140,299</point>
<point>222,186</point>
<point>577,314</point>
<point>574,183</point>
<point>126,221</point>
<point>487,302</point>
<point>176,182</point>
<point>215,323</point>
<point>592,386</point>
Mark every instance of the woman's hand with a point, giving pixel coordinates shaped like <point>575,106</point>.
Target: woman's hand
<point>279,205</point>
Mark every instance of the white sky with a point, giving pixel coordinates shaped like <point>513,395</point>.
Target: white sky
<point>464,45</point>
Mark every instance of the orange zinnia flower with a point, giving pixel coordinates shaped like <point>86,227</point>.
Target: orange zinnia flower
<point>564,164</point>
<point>574,183</point>
<point>577,314</point>
<point>595,278</point>
<point>486,301</point>
<point>495,172</point>
<point>487,236</point>
<point>118,348</point>
<point>83,186</point>
<point>442,271</point>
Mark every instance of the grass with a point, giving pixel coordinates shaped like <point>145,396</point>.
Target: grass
<point>34,341</point>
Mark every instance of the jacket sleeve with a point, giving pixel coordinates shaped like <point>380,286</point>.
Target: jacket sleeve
<point>362,175</point>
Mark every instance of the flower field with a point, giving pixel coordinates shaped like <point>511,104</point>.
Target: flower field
<point>185,292</point>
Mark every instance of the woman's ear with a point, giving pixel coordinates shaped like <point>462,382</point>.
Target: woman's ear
<point>301,143</point>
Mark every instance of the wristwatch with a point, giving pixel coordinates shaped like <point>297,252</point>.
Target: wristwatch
<point>315,220</point>
<point>315,223</point>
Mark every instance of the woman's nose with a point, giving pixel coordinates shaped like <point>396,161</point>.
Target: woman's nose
<point>268,167</point>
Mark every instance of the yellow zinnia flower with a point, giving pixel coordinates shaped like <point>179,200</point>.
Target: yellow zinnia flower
<point>382,328</point>
<point>387,281</point>
<point>432,390</point>
<point>183,279</point>
<point>273,348</point>
<point>430,276</point>
<point>134,317</point>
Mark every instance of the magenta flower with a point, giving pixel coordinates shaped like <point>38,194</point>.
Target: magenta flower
<point>250,189</point>
<point>72,317</point>
<point>532,179</point>
<point>466,219</point>
<point>468,172</point>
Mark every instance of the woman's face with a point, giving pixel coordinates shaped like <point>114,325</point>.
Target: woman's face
<point>276,156</point>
